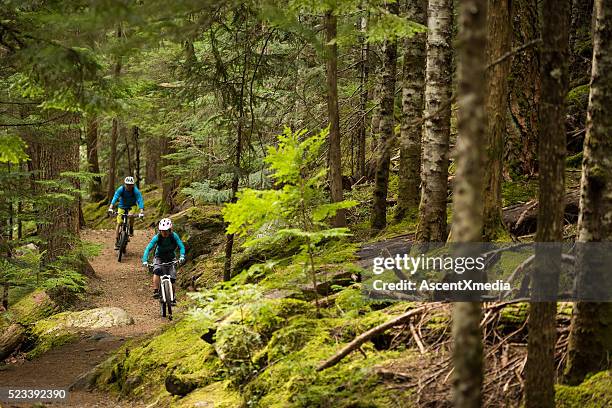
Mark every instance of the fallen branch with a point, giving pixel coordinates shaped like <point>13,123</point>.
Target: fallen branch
<point>362,338</point>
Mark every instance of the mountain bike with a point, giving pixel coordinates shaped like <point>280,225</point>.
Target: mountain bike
<point>124,233</point>
<point>166,294</point>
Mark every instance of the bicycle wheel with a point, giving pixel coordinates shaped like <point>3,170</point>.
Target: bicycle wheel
<point>167,288</point>
<point>121,243</point>
<point>162,306</point>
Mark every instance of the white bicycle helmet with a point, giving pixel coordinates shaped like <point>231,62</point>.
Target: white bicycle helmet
<point>165,224</point>
<point>129,180</point>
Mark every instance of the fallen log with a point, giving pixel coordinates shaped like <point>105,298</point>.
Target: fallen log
<point>362,338</point>
<point>10,339</point>
<point>521,219</point>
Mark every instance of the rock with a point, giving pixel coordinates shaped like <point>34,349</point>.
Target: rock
<point>85,319</point>
<point>182,386</point>
<point>11,338</point>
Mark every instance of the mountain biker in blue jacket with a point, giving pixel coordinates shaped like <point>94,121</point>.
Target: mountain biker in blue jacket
<point>165,243</point>
<point>129,196</point>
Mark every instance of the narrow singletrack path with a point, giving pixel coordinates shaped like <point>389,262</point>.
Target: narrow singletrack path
<point>126,285</point>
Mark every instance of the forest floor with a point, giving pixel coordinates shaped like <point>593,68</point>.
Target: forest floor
<point>126,285</point>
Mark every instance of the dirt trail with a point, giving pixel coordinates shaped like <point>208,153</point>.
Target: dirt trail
<point>126,285</point>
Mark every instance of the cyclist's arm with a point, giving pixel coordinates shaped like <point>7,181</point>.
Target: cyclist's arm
<point>116,196</point>
<point>139,198</point>
<point>180,244</point>
<point>145,256</point>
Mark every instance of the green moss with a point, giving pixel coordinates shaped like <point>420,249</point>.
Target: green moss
<point>574,161</point>
<point>518,192</point>
<point>351,301</point>
<point>50,341</point>
<point>578,95</point>
<point>592,393</point>
<point>218,395</point>
<point>179,349</point>
<point>33,307</point>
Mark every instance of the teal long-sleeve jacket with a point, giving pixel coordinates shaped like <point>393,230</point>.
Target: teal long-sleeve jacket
<point>165,248</point>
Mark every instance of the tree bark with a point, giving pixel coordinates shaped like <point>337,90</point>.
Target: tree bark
<point>524,92</point>
<point>50,157</point>
<point>580,37</point>
<point>436,134</point>
<point>169,183</point>
<point>363,101</point>
<point>413,84</point>
<point>590,344</point>
<point>540,368</point>
<point>387,120</point>
<point>498,44</point>
<point>112,162</point>
<point>152,159</point>
<point>136,137</point>
<point>467,195</point>
<point>335,156</point>
<point>93,165</point>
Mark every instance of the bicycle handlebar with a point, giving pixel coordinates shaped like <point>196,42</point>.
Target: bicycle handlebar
<point>127,215</point>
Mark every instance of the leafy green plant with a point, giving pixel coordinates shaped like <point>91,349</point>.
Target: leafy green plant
<point>299,207</point>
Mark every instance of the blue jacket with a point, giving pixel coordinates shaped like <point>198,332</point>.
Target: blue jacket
<point>128,199</point>
<point>164,250</point>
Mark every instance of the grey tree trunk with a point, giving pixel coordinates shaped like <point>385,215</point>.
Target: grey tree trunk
<point>580,36</point>
<point>152,160</point>
<point>520,151</point>
<point>590,345</point>
<point>540,369</point>
<point>95,189</point>
<point>335,154</point>
<point>498,44</point>
<point>387,120</point>
<point>112,162</point>
<point>436,133</point>
<point>467,195</point>
<point>363,101</point>
<point>413,85</point>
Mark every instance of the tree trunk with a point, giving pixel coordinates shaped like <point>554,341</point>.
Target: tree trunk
<point>152,157</point>
<point>387,121</point>
<point>136,137</point>
<point>335,154</point>
<point>524,87</point>
<point>10,339</point>
<point>590,344</point>
<point>436,134</point>
<point>363,101</point>
<point>51,157</point>
<point>498,44</point>
<point>128,151</point>
<point>93,166</point>
<point>540,368</point>
<point>112,162</point>
<point>168,204</point>
<point>467,196</point>
<point>413,85</point>
<point>580,36</point>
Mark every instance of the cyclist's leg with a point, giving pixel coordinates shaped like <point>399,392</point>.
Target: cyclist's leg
<point>173,279</point>
<point>157,271</point>
<point>132,211</point>
<point>120,211</point>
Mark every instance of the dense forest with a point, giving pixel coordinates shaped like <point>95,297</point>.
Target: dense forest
<point>289,145</point>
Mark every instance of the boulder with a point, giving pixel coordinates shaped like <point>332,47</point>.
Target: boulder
<point>98,318</point>
<point>180,385</point>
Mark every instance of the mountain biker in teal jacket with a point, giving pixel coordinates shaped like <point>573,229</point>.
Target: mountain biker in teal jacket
<point>129,196</point>
<point>165,243</point>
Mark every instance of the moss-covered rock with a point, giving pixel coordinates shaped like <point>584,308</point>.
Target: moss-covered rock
<point>218,395</point>
<point>63,328</point>
<point>594,392</point>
